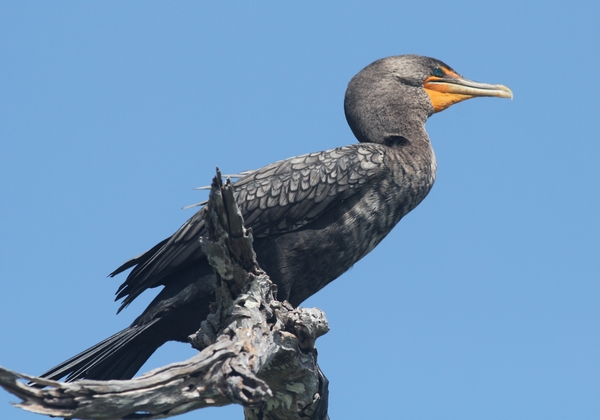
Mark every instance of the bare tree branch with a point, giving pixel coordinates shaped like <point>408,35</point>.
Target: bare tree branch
<point>255,350</point>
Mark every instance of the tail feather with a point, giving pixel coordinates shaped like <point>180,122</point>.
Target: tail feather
<point>117,357</point>
<point>104,361</point>
<point>174,314</point>
<point>125,366</point>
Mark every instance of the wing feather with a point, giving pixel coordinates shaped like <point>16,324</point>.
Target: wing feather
<point>276,199</point>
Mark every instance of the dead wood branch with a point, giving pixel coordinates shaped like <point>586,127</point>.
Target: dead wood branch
<point>255,350</point>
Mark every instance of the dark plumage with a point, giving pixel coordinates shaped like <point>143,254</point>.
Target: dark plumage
<point>312,216</point>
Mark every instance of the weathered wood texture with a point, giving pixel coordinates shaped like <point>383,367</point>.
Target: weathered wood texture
<point>255,350</point>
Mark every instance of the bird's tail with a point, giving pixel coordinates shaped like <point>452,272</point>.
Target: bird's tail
<point>120,356</point>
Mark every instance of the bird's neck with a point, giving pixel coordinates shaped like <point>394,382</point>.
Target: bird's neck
<point>403,132</point>
<point>414,165</point>
<point>386,121</point>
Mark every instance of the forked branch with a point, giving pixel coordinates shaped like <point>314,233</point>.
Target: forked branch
<point>255,350</point>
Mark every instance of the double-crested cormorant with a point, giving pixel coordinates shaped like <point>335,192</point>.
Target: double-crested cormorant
<point>312,216</point>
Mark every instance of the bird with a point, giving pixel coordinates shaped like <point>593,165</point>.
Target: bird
<point>312,216</point>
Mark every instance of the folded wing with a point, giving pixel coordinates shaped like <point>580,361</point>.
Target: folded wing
<point>274,200</point>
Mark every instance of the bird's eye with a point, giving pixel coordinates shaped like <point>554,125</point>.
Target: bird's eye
<point>438,72</point>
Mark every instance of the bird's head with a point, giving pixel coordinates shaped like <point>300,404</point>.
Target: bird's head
<point>394,96</point>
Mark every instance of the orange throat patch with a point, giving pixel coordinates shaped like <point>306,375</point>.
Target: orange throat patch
<point>442,100</point>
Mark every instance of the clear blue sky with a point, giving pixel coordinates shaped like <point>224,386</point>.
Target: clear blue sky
<point>481,304</point>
